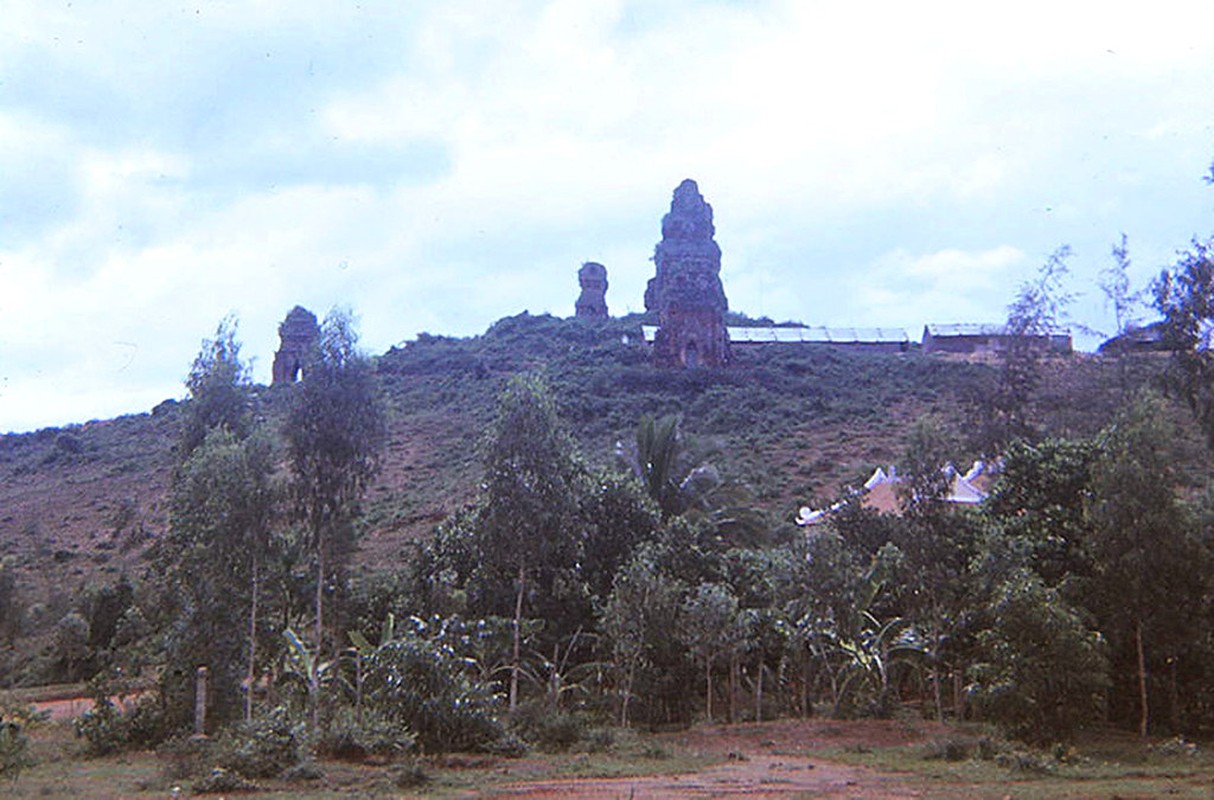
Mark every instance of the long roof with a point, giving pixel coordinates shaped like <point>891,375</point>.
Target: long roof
<point>977,329</point>
<point>816,334</point>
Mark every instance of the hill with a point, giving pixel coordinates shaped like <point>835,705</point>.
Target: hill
<point>793,423</point>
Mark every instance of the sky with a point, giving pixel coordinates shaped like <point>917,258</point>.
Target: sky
<point>435,166</point>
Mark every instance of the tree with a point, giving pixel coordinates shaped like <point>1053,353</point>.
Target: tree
<point>712,626</point>
<point>220,387</point>
<point>335,429</point>
<point>1143,554</point>
<point>937,540</point>
<point>635,621</point>
<point>220,537</point>
<point>1045,669</point>
<point>1039,309</point>
<point>530,530</point>
<point>1184,296</point>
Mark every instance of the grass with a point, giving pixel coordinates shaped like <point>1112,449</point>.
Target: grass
<point>1106,765</point>
<point>62,771</point>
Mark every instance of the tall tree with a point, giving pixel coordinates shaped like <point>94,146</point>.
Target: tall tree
<point>335,430</point>
<point>220,387</point>
<point>221,507</point>
<point>530,529</point>
<point>1184,296</point>
<point>1142,550</point>
<point>1039,309</point>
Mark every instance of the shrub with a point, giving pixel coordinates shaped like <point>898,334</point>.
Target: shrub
<point>421,684</point>
<point>263,747</point>
<point>410,775</point>
<point>103,728</point>
<point>14,750</point>
<point>349,740</point>
<point>222,780</point>
<point>551,731</point>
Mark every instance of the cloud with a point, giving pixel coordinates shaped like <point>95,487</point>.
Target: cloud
<point>437,166</point>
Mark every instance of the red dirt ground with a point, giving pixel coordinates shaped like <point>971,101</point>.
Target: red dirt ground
<point>766,760</point>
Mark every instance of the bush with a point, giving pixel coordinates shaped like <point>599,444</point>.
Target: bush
<point>422,685</point>
<point>348,740</point>
<point>263,747</point>
<point>410,776</point>
<point>184,757</point>
<point>103,728</point>
<point>14,750</point>
<point>222,780</point>
<point>551,731</point>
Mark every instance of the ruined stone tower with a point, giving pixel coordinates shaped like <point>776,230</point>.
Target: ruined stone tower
<point>296,335</point>
<point>686,292</point>
<point>592,302</point>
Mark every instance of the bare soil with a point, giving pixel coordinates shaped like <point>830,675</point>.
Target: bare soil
<point>763,760</point>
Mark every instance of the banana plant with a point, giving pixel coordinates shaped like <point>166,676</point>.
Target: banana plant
<point>303,665</point>
<point>362,650</point>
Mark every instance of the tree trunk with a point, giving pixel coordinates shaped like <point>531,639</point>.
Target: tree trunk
<point>314,676</point>
<point>1145,715</point>
<point>518,624</point>
<point>251,677</point>
<point>805,665</point>
<point>708,687</point>
<point>759,692</point>
<point>358,688</point>
<point>733,688</point>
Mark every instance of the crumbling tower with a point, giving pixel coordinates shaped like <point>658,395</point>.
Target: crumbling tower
<point>592,302</point>
<point>297,334</point>
<point>686,292</point>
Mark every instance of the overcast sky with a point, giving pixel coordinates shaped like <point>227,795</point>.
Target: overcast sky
<point>437,166</point>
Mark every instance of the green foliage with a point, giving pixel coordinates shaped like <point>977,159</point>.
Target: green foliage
<point>263,747</point>
<point>14,750</point>
<point>349,738</point>
<point>220,387</point>
<point>221,504</point>
<point>423,685</point>
<point>103,728</point>
<point>223,780</point>
<point>1184,296</point>
<point>1046,670</point>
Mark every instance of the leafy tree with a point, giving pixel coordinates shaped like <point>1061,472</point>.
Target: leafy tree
<point>711,626</point>
<point>1143,554</point>
<point>72,644</point>
<point>1039,309</point>
<point>1045,670</point>
<point>334,429</point>
<point>635,622</point>
<point>219,540</point>
<point>1039,507</point>
<point>617,517</point>
<point>937,541</point>
<point>1184,296</point>
<point>530,527</point>
<point>220,386</point>
<point>10,607</point>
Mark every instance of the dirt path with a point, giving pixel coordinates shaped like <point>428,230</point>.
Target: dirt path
<point>768,760</point>
<point>72,707</point>
<point>761,777</point>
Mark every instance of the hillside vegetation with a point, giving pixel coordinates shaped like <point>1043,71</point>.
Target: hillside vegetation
<point>557,522</point>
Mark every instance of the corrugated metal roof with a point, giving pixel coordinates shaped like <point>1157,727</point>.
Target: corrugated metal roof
<point>810,335</point>
<point>979,329</point>
<point>819,334</point>
<point>966,329</point>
